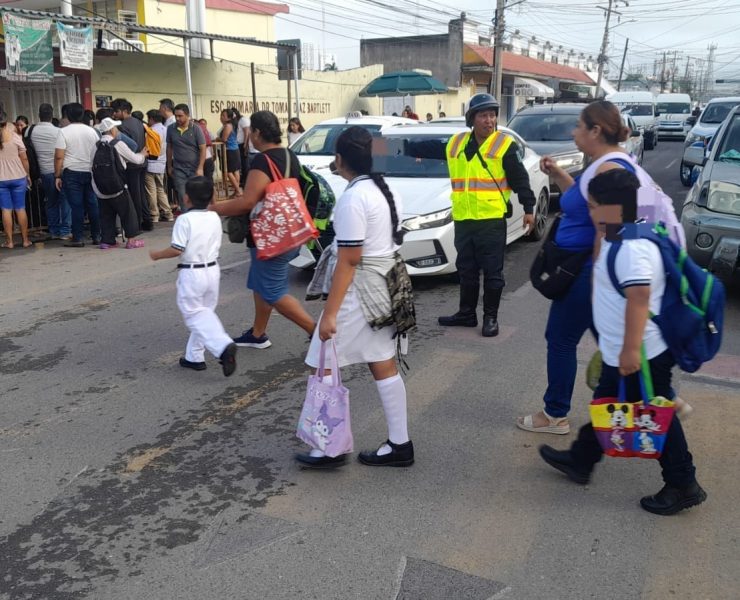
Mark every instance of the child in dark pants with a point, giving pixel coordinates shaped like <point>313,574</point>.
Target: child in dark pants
<point>624,329</point>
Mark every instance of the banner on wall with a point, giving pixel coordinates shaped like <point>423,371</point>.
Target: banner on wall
<point>75,46</point>
<point>27,48</point>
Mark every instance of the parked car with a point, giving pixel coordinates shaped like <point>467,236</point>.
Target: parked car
<point>709,122</point>
<point>635,143</point>
<point>711,213</point>
<point>548,130</point>
<point>315,148</point>
<point>674,111</point>
<point>424,186</point>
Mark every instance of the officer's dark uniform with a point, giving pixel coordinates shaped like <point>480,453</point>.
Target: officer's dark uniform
<point>483,176</point>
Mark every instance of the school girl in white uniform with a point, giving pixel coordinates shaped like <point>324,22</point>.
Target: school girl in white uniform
<point>367,226</point>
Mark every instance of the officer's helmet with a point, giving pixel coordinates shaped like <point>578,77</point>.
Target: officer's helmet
<point>478,103</point>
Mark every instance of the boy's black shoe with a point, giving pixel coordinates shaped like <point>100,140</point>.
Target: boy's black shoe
<point>195,366</point>
<point>320,462</point>
<point>228,359</point>
<point>74,244</point>
<point>671,500</point>
<point>563,462</point>
<point>401,455</point>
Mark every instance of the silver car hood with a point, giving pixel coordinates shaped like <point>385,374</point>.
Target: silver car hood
<point>705,130</point>
<point>722,171</point>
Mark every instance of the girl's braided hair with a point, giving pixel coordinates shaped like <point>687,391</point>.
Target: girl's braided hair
<point>354,145</point>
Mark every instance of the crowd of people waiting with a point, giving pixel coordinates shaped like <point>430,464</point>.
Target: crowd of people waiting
<point>160,150</point>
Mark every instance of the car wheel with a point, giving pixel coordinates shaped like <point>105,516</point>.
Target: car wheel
<point>540,218</point>
<point>685,171</point>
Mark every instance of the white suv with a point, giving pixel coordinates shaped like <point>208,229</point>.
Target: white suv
<point>315,148</point>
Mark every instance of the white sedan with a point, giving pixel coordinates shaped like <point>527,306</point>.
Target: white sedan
<point>424,186</point>
<point>315,148</point>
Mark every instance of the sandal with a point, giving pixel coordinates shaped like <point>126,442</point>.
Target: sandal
<point>559,426</point>
<point>7,246</point>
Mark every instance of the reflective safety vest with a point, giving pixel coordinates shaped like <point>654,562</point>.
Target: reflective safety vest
<point>475,195</point>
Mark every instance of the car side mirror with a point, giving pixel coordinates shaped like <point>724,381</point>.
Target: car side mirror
<point>657,114</point>
<point>691,121</point>
<point>635,133</point>
<point>695,154</point>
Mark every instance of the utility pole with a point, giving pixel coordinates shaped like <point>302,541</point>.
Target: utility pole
<point>673,70</point>
<point>662,76</point>
<point>498,50</point>
<point>605,41</point>
<point>621,68</point>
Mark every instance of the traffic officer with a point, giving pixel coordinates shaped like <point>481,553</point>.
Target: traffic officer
<point>485,167</point>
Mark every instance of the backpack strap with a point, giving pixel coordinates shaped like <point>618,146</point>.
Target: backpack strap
<point>287,163</point>
<point>611,261</point>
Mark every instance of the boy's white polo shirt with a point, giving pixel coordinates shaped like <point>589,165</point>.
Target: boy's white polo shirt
<point>197,233</point>
<point>638,262</point>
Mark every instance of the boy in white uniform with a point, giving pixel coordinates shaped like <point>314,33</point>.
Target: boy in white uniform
<point>622,320</point>
<point>196,240</point>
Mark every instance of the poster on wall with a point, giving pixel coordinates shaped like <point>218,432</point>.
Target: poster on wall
<point>75,46</point>
<point>27,48</point>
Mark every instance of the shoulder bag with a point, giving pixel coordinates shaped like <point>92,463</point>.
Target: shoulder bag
<point>281,222</point>
<point>554,268</point>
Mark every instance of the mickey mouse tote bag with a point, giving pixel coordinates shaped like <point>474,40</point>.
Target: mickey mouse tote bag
<point>633,428</point>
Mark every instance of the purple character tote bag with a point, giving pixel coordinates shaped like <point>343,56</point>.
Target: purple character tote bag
<point>325,422</point>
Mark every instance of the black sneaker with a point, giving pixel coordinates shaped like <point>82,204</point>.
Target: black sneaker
<point>248,340</point>
<point>228,360</point>
<point>563,462</point>
<point>320,462</point>
<point>671,500</point>
<point>401,455</point>
<point>195,366</point>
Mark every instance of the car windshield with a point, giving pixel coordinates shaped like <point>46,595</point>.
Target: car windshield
<point>674,108</point>
<point>411,156</point>
<point>730,149</point>
<point>549,127</point>
<point>717,111</point>
<point>638,110</point>
<point>321,140</point>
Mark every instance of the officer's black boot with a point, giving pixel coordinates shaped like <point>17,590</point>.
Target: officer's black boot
<point>491,300</point>
<point>465,317</point>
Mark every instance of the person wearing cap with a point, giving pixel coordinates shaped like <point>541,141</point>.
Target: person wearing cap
<point>485,167</point>
<point>117,205</point>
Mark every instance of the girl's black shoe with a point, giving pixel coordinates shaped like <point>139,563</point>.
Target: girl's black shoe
<point>401,455</point>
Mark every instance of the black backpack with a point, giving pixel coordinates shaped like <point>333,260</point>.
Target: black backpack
<point>108,173</point>
<point>33,159</point>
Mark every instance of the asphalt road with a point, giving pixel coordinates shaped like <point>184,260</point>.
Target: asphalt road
<point>124,477</point>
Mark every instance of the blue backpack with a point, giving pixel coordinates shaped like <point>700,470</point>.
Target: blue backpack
<point>693,305</point>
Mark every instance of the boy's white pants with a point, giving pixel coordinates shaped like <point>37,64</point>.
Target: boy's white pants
<point>197,297</point>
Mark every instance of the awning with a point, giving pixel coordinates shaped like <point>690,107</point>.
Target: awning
<point>531,88</point>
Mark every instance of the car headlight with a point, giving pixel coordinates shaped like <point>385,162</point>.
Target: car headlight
<point>692,137</point>
<point>724,197</point>
<point>570,161</point>
<point>428,221</point>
